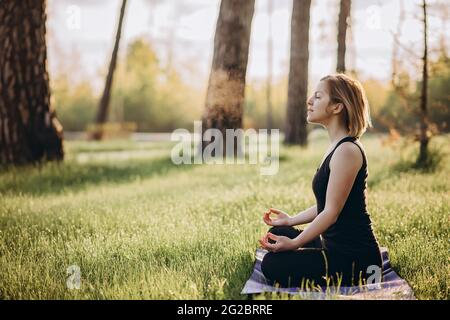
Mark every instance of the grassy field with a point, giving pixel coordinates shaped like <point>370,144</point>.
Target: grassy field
<point>140,227</point>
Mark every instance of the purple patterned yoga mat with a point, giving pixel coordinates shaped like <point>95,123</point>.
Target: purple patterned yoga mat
<point>392,287</point>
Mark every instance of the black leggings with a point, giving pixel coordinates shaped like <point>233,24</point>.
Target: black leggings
<point>314,264</point>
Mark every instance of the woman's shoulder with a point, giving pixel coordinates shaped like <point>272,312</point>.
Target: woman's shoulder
<point>348,153</point>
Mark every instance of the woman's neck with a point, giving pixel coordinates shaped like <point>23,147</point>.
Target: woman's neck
<point>336,132</point>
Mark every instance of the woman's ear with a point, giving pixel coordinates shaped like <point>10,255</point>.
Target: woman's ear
<point>338,108</point>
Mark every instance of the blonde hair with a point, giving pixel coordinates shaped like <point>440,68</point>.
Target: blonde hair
<point>350,92</point>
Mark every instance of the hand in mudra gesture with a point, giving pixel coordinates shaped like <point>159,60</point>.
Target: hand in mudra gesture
<point>279,244</point>
<point>282,218</point>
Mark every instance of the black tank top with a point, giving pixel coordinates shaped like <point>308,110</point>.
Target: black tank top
<point>352,232</point>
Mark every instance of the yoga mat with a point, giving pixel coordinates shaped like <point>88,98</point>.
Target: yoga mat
<point>391,288</point>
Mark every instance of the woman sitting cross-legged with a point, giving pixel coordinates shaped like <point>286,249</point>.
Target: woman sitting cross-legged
<point>338,246</point>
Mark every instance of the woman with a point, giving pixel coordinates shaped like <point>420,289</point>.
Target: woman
<point>339,246</point>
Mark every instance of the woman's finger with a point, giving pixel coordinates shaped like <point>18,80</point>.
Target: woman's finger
<point>267,215</point>
<point>266,239</point>
<point>263,245</point>
<point>260,242</point>
<point>268,245</point>
<point>276,211</point>
<point>267,219</point>
<point>272,236</point>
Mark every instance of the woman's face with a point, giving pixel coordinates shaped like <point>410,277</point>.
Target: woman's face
<point>317,105</point>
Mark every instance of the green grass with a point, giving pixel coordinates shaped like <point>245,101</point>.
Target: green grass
<point>140,227</point>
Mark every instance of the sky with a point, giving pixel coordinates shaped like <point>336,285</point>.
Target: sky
<point>81,34</point>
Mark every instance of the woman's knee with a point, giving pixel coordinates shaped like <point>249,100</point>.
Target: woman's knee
<point>269,266</point>
<point>286,231</point>
<point>274,272</point>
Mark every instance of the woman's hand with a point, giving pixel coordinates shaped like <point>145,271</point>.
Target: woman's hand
<point>283,219</point>
<point>282,243</point>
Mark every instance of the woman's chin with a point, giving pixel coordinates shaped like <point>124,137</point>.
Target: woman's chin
<point>310,119</point>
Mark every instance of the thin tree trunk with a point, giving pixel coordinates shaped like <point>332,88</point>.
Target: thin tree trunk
<point>344,16</point>
<point>29,129</point>
<point>396,44</point>
<point>103,108</point>
<point>226,86</point>
<point>269,66</point>
<point>295,131</point>
<point>424,139</point>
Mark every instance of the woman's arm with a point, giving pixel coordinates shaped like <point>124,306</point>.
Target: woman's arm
<point>305,216</point>
<point>344,167</point>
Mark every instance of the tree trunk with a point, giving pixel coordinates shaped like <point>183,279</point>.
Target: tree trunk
<point>344,16</point>
<point>295,132</point>
<point>424,138</point>
<point>269,66</point>
<point>103,108</point>
<point>226,86</point>
<point>29,129</point>
<point>396,44</point>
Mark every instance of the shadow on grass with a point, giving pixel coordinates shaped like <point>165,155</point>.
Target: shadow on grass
<point>241,271</point>
<point>431,164</point>
<point>407,163</point>
<point>116,146</point>
<point>54,178</point>
<point>235,268</point>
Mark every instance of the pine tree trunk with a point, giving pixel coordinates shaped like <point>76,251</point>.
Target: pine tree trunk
<point>295,131</point>
<point>424,138</point>
<point>344,15</point>
<point>29,129</point>
<point>103,108</point>
<point>226,88</point>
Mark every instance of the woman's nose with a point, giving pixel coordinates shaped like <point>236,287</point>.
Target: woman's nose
<point>309,102</point>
